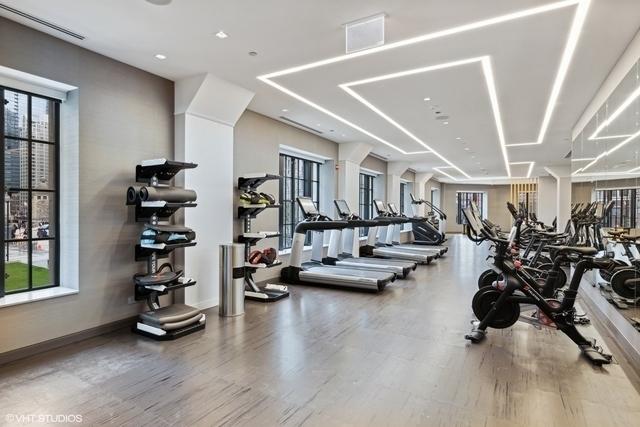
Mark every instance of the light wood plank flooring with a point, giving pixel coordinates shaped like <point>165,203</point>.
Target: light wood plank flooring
<point>333,358</point>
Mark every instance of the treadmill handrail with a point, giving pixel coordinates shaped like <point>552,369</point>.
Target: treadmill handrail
<point>304,226</point>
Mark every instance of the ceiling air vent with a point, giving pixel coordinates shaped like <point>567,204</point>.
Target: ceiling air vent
<point>442,117</point>
<point>41,22</point>
<point>364,33</point>
<point>298,124</point>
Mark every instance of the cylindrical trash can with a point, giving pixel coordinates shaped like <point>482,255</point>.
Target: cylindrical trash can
<point>231,280</point>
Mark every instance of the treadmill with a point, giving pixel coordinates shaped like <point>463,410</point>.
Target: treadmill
<point>314,272</point>
<point>345,243</point>
<point>377,248</point>
<point>394,238</point>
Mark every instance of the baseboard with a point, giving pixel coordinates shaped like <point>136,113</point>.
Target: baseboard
<point>31,350</point>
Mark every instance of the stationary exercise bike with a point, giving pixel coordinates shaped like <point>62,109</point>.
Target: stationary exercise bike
<point>499,306</point>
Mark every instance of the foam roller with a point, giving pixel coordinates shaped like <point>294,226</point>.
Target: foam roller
<point>167,194</point>
<point>133,195</point>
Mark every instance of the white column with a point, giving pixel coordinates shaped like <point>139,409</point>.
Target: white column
<point>563,201</point>
<point>562,174</point>
<point>206,110</point>
<point>547,199</point>
<point>420,190</point>
<point>394,172</point>
<point>350,156</point>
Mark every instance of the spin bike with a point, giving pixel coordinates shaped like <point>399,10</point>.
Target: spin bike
<point>499,307</point>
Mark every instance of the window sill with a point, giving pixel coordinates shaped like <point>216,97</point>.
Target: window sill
<point>33,296</point>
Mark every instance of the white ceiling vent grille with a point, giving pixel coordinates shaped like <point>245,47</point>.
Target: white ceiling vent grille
<point>364,33</point>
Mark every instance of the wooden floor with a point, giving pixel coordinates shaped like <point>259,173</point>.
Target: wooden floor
<point>333,358</point>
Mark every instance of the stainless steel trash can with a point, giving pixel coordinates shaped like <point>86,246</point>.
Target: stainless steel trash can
<point>231,280</point>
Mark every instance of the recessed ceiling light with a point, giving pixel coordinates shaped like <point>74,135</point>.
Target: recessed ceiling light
<point>253,53</point>
<point>159,2</point>
<point>458,138</point>
<point>466,149</point>
<point>284,110</point>
<point>161,57</point>
<point>473,157</point>
<point>445,123</point>
<point>222,35</point>
<point>344,134</point>
<point>427,99</point>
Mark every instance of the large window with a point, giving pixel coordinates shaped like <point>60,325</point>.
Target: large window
<point>403,196</point>
<point>626,207</point>
<point>464,199</point>
<point>30,132</point>
<point>365,208</point>
<point>300,177</point>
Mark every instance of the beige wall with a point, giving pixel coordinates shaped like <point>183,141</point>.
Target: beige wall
<point>497,197</point>
<point>374,163</point>
<point>125,115</point>
<point>257,141</point>
<point>409,176</point>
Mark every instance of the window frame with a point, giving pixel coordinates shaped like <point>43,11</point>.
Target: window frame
<point>464,199</point>
<point>616,216</point>
<point>307,184</point>
<point>30,190</point>
<point>366,187</point>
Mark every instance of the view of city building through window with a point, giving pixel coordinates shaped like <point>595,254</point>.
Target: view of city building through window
<point>30,131</point>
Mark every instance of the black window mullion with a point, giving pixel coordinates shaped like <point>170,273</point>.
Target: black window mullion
<point>3,214</point>
<point>30,188</point>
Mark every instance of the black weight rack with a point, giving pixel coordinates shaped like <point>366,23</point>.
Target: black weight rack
<point>160,172</point>
<point>248,212</point>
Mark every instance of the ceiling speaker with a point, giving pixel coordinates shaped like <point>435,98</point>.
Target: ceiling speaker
<point>364,33</point>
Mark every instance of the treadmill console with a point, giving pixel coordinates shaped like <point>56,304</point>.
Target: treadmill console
<point>380,207</point>
<point>308,207</point>
<point>343,208</point>
<point>392,208</point>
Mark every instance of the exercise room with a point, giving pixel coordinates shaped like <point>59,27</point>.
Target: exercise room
<point>320,213</point>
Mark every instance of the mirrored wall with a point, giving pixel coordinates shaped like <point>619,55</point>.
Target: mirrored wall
<point>606,195</point>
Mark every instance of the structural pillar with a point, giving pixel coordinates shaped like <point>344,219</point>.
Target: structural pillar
<point>420,189</point>
<point>394,172</point>
<point>206,110</point>
<point>350,155</point>
<point>562,174</point>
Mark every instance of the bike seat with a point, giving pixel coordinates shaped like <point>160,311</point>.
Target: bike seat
<point>580,250</point>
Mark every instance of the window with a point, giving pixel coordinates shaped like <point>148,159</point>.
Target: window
<point>300,177</point>
<point>464,200</point>
<point>625,209</point>
<point>403,193</point>
<point>30,246</point>
<point>366,200</point>
<point>435,200</point>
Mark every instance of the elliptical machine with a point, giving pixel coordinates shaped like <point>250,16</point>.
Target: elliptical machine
<point>499,306</point>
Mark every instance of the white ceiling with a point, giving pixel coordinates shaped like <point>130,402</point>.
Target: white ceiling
<point>524,53</point>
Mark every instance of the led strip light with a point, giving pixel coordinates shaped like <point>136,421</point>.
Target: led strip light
<point>607,152</point>
<point>621,108</point>
<point>530,170</point>
<point>576,28</point>
<point>488,73</point>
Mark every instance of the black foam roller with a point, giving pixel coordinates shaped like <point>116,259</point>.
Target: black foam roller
<point>167,194</point>
<point>133,195</point>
